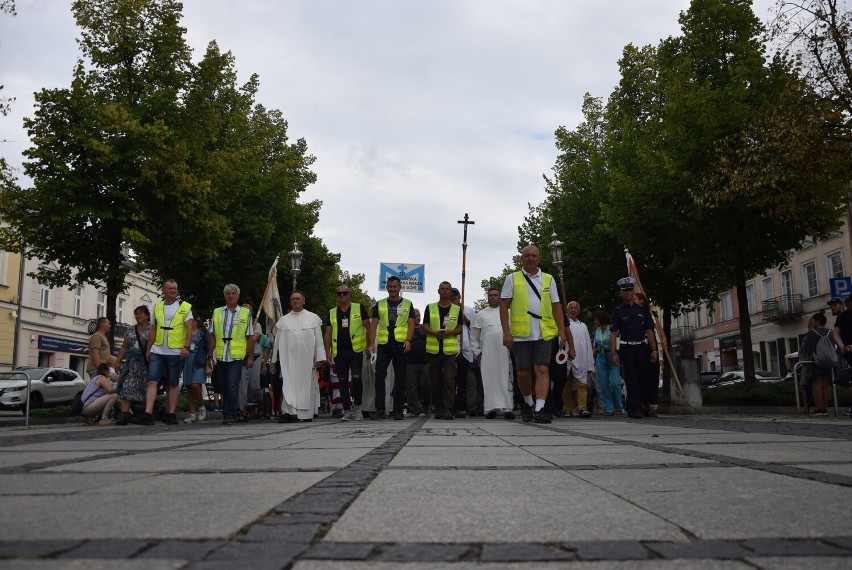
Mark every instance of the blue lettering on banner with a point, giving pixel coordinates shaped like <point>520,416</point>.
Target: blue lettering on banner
<point>840,286</point>
<point>411,276</point>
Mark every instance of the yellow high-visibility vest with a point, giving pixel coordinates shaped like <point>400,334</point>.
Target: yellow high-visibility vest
<point>238,333</point>
<point>357,331</point>
<point>451,343</point>
<point>176,328</point>
<point>400,331</point>
<point>520,321</point>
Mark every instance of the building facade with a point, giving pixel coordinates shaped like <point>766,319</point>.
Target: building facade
<point>780,302</point>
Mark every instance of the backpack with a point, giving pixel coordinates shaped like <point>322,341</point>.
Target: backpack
<point>77,404</point>
<point>201,348</point>
<point>825,355</point>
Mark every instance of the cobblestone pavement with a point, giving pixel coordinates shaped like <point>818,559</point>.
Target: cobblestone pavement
<point>730,492</point>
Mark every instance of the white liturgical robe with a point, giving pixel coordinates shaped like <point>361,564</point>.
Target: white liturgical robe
<point>584,360</point>
<point>486,337</point>
<point>299,346</point>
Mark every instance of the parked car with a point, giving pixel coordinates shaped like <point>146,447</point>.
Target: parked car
<point>49,387</point>
<point>707,378</point>
<point>736,376</point>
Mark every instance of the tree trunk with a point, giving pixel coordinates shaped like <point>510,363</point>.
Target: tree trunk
<point>745,330</point>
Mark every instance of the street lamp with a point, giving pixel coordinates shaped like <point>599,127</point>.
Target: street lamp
<point>295,263</point>
<point>556,251</point>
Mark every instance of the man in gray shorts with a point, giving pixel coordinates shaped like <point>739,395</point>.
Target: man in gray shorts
<point>528,303</point>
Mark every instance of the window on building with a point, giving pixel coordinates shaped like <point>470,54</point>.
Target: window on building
<point>101,305</point>
<point>78,302</point>
<point>4,257</point>
<point>767,289</point>
<point>750,298</point>
<point>710,317</point>
<point>787,282</point>
<point>809,276</point>
<point>120,310</point>
<point>698,324</point>
<point>834,264</point>
<point>726,311</point>
<point>44,303</point>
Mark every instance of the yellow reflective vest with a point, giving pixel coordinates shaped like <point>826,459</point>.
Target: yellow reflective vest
<point>176,328</point>
<point>451,343</point>
<point>357,331</point>
<point>520,321</point>
<point>400,331</point>
<point>237,333</point>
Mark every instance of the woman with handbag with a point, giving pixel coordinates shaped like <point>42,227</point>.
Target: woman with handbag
<point>133,379</point>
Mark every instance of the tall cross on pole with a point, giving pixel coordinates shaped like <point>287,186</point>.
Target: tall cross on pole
<point>467,222</point>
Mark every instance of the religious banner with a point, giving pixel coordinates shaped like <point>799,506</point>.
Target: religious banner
<point>411,276</point>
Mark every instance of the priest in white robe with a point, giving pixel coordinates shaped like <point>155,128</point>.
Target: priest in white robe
<point>486,341</point>
<point>299,347</point>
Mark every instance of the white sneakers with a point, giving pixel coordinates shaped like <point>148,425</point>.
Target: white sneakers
<point>202,414</point>
<point>356,414</point>
<point>190,419</point>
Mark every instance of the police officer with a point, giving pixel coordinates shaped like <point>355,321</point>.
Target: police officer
<point>632,322</point>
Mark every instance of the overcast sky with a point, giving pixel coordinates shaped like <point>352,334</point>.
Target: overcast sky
<point>417,112</point>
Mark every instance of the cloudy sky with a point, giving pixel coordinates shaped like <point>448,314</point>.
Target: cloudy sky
<point>417,112</point>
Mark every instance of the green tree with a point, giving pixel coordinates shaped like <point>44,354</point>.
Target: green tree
<point>754,147</point>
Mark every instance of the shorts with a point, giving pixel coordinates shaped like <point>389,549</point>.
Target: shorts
<point>532,352</point>
<point>159,362</point>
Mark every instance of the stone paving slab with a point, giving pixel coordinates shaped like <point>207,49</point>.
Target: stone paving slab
<point>733,503</point>
<point>491,507</point>
<point>670,492</point>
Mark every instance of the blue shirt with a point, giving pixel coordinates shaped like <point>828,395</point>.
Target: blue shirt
<point>631,322</point>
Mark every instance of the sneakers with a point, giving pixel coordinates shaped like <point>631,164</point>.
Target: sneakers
<point>527,413</point>
<point>542,417</point>
<point>191,419</point>
<point>202,414</point>
<point>143,420</point>
<point>567,414</point>
<point>347,416</point>
<point>585,414</point>
<point>357,415</point>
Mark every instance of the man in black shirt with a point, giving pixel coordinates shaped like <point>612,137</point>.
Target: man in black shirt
<point>345,341</point>
<point>391,326</point>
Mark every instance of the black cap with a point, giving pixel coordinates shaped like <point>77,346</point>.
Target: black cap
<point>835,300</point>
<point>456,292</point>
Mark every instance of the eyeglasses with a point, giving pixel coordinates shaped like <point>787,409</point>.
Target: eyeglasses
<point>342,293</point>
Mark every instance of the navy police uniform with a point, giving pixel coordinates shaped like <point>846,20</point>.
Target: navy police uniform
<point>631,324</point>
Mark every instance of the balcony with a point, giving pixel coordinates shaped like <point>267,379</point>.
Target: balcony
<point>682,334</point>
<point>782,309</point>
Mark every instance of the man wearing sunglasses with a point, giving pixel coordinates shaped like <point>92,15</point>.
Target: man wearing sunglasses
<point>345,341</point>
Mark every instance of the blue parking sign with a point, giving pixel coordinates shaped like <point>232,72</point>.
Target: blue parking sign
<point>840,286</point>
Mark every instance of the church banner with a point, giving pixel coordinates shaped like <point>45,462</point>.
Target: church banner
<point>411,276</point>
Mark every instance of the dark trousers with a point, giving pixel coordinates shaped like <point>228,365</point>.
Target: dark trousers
<point>650,394</point>
<point>418,388</point>
<point>229,374</point>
<point>558,376</point>
<point>388,354</point>
<point>348,361</point>
<point>634,362</point>
<point>462,366</point>
<point>442,375</point>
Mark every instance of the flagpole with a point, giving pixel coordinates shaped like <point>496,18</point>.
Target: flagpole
<point>633,271</point>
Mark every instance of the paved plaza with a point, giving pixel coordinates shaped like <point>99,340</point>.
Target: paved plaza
<point>731,492</point>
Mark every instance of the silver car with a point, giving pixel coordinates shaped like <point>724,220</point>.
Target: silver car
<point>50,387</point>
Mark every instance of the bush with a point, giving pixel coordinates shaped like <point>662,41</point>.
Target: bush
<point>763,394</point>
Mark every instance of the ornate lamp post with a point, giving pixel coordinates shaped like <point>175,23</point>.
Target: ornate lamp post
<point>556,251</point>
<point>295,263</point>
